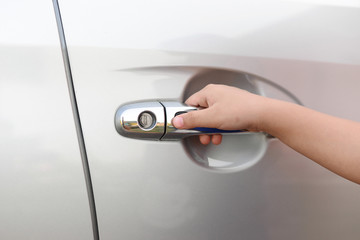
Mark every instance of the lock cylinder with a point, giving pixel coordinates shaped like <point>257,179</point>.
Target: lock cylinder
<point>147,120</point>
<point>141,120</point>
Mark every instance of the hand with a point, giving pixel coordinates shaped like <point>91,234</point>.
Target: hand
<point>330,141</point>
<point>227,108</point>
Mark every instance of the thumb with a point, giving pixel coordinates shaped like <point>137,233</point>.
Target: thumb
<point>199,118</point>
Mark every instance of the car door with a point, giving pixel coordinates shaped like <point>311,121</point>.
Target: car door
<point>42,186</point>
<point>251,186</point>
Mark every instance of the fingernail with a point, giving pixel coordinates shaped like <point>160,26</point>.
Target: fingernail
<point>178,122</point>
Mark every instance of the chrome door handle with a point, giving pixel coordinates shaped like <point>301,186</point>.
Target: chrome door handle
<point>151,120</point>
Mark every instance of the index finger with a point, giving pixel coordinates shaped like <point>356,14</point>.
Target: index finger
<point>198,99</point>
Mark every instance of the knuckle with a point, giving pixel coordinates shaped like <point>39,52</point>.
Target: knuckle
<point>210,86</point>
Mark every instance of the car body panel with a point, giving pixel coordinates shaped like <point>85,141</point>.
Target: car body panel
<point>122,51</point>
<point>43,191</point>
<point>126,51</point>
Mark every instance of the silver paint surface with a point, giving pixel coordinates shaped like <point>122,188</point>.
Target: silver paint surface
<point>153,190</point>
<point>43,192</point>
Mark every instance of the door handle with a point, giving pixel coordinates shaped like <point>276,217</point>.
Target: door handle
<point>151,120</point>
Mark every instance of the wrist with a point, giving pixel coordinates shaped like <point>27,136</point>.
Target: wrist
<point>277,115</point>
<point>269,115</point>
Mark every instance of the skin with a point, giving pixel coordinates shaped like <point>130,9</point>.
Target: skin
<point>332,142</point>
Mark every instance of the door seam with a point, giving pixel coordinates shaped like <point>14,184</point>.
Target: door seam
<point>76,115</point>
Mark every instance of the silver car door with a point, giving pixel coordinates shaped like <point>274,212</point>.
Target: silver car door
<point>42,186</point>
<point>249,187</point>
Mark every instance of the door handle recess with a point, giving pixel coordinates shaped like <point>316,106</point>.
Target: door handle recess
<point>151,120</point>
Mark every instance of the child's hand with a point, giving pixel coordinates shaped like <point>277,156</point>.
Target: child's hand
<point>330,141</point>
<point>226,108</point>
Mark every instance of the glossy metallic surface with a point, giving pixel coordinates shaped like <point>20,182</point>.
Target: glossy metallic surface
<point>42,186</point>
<point>153,190</point>
<point>171,109</point>
<point>127,120</point>
<point>156,187</point>
<point>152,120</point>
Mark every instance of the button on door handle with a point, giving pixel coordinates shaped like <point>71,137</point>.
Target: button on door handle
<point>151,120</point>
